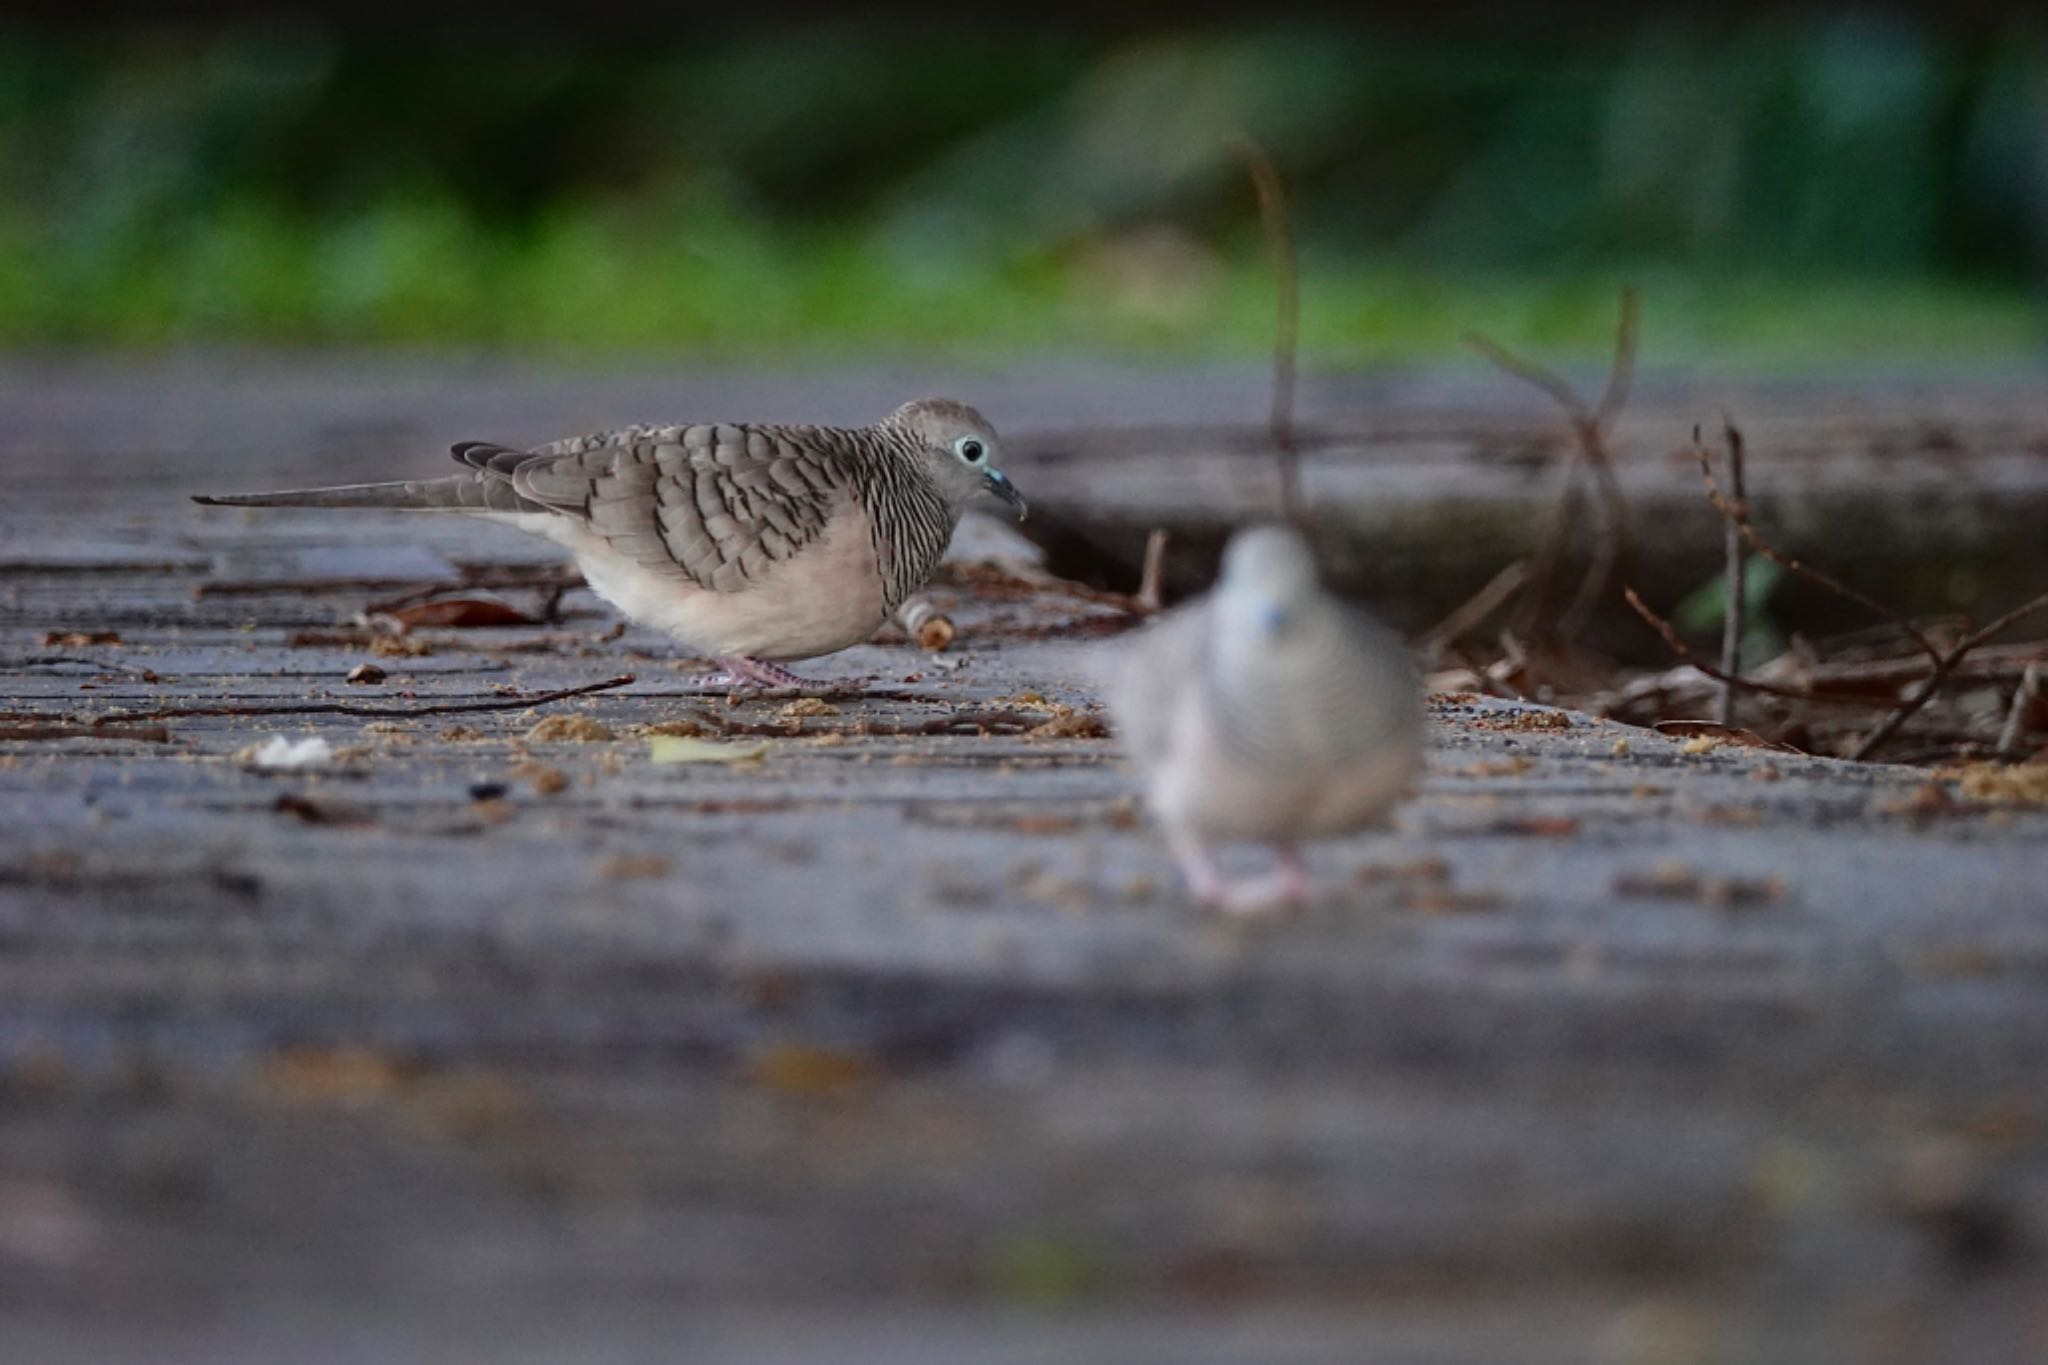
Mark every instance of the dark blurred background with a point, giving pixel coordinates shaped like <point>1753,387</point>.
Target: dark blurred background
<point>1815,183</point>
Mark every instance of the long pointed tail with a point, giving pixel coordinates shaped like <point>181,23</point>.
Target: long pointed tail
<point>458,493</point>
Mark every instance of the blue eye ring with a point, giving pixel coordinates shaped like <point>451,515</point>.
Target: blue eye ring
<point>971,449</point>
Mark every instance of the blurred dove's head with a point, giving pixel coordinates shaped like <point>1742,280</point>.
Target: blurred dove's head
<point>959,447</point>
<point>1268,574</point>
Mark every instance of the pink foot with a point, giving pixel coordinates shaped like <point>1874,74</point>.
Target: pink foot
<point>1287,886</point>
<point>738,671</point>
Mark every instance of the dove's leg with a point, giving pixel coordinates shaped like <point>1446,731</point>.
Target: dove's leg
<point>1205,883</point>
<point>1288,885</point>
<point>760,672</point>
<point>1290,882</point>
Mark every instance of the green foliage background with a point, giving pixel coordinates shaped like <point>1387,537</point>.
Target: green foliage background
<point>1815,187</point>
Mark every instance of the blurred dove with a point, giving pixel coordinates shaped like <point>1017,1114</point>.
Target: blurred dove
<point>754,544</point>
<point>1269,712</point>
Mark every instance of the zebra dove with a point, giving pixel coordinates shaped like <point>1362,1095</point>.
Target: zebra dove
<point>753,544</point>
<point>1268,711</point>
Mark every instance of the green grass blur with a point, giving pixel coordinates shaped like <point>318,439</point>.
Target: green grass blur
<point>1805,189</point>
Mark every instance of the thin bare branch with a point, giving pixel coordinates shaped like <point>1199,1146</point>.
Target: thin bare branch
<point>1736,512</point>
<point>1733,573</point>
<point>1677,645</point>
<point>1476,608</point>
<point>147,734</point>
<point>1529,372</point>
<point>1589,433</point>
<point>994,722</point>
<point>1274,217</point>
<point>1621,373</point>
<point>1152,580</point>
<point>2023,698</point>
<point>1944,664</point>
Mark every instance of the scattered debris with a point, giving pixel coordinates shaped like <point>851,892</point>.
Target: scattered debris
<point>310,812</point>
<point>80,639</point>
<point>1068,723</point>
<point>633,867</point>
<point>544,780</point>
<point>344,1077</point>
<point>1442,900</point>
<point>566,729</point>
<point>366,675</point>
<point>1677,881</point>
<point>923,622</point>
<point>1693,731</point>
<point>2006,784</point>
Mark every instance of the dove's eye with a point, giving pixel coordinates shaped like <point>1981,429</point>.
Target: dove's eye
<point>971,449</point>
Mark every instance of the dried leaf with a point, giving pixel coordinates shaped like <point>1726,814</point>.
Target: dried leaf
<point>1067,723</point>
<point>344,1077</point>
<point>809,1070</point>
<point>684,749</point>
<point>633,867</point>
<point>1725,734</point>
<point>460,613</point>
<point>78,639</point>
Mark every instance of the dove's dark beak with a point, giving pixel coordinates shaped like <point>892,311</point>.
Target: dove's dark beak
<point>1007,491</point>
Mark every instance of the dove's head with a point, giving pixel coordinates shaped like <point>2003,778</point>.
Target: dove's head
<point>1269,575</point>
<point>959,448</point>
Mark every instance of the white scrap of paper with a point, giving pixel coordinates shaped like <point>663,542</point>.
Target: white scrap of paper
<point>279,752</point>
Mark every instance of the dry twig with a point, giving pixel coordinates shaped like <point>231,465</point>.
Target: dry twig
<point>953,722</point>
<point>1736,513</point>
<point>1944,664</point>
<point>1733,574</point>
<point>1151,582</point>
<point>148,734</point>
<point>1273,217</point>
<point>2022,701</point>
<point>1475,609</point>
<point>1676,644</point>
<point>336,708</point>
<point>1589,431</point>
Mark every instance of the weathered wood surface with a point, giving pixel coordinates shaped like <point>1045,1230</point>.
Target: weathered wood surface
<point>905,1048</point>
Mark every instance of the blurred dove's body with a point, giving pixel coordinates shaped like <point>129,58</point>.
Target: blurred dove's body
<point>1269,712</point>
<point>755,544</point>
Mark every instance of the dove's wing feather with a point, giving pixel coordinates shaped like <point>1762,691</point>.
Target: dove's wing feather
<point>717,505</point>
<point>1150,676</point>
